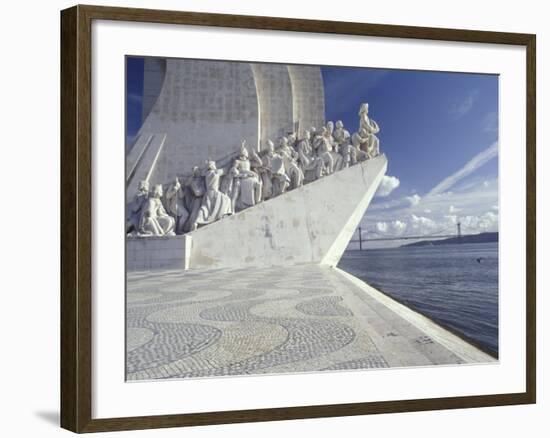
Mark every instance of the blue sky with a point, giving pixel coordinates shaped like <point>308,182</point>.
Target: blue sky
<point>134,95</point>
<point>439,131</point>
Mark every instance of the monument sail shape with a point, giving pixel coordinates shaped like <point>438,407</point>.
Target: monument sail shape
<point>234,166</point>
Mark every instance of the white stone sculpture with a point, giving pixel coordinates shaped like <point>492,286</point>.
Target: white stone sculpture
<point>334,150</point>
<point>250,185</point>
<point>196,190</point>
<point>323,149</point>
<point>329,134</point>
<point>360,140</point>
<point>175,205</point>
<point>295,174</point>
<point>264,170</point>
<point>310,163</point>
<point>271,169</point>
<point>349,154</point>
<point>257,167</point>
<point>341,136</point>
<point>215,193</point>
<point>346,149</point>
<point>285,151</point>
<point>279,179</point>
<point>215,204</point>
<point>231,184</point>
<point>134,209</point>
<point>371,128</point>
<point>292,140</point>
<point>155,221</point>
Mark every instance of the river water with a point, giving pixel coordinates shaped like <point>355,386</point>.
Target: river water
<point>455,285</point>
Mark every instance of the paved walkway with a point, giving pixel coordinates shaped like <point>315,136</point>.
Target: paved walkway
<point>276,320</point>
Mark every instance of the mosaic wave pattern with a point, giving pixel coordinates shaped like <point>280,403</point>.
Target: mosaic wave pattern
<point>276,320</point>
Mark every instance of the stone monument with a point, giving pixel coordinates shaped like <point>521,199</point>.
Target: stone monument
<point>235,166</point>
<point>207,108</point>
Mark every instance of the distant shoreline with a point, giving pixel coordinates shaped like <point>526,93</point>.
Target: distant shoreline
<point>491,237</point>
<point>470,238</point>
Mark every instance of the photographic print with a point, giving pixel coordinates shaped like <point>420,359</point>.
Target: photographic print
<point>286,218</point>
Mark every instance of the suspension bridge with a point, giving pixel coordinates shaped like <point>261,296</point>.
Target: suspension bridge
<point>364,236</point>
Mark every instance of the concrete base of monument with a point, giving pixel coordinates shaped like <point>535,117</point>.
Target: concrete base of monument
<point>186,324</point>
<point>149,252</point>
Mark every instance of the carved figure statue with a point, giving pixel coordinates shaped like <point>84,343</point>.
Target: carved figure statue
<point>255,162</point>
<point>307,159</point>
<point>195,192</point>
<point>349,154</point>
<point>323,148</point>
<point>215,204</point>
<point>329,134</point>
<point>175,205</point>
<point>340,135</point>
<point>292,139</point>
<point>133,210</point>
<point>264,170</point>
<point>155,221</point>
<point>342,138</point>
<point>285,151</point>
<point>333,149</point>
<point>360,140</point>
<point>231,184</point>
<point>371,128</point>
<point>279,179</point>
<point>250,185</point>
<point>295,174</point>
<point>272,172</point>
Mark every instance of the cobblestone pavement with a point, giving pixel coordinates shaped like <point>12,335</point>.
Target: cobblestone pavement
<point>275,320</point>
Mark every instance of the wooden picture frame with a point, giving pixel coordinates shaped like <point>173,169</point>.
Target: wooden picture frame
<point>76,218</point>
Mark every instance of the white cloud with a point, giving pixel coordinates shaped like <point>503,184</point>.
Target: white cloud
<point>417,225</point>
<point>382,227</point>
<point>398,226</point>
<point>387,185</point>
<point>473,202</point>
<point>478,224</point>
<point>393,228</point>
<point>490,122</point>
<point>472,165</point>
<point>450,219</point>
<point>475,205</point>
<point>421,224</point>
<point>460,109</point>
<point>453,209</point>
<point>414,199</point>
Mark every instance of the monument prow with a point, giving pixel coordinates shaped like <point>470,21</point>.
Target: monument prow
<point>312,224</point>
